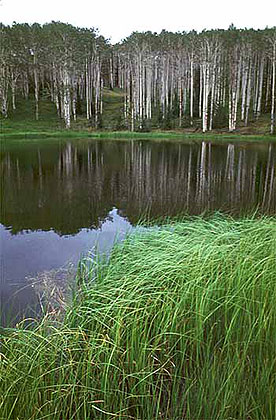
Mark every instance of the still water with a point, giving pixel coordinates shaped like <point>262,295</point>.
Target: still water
<point>62,199</point>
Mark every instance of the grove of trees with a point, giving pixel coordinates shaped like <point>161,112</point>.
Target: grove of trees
<point>168,80</point>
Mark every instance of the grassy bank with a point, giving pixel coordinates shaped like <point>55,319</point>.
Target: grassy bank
<point>179,324</point>
<point>22,124</point>
<point>128,135</point>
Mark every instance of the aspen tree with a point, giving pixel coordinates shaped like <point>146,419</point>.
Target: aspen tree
<point>167,78</point>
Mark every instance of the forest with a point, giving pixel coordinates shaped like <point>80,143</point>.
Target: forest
<point>208,80</point>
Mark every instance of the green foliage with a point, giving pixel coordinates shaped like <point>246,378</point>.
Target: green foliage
<point>179,323</point>
<point>221,118</point>
<point>146,126</point>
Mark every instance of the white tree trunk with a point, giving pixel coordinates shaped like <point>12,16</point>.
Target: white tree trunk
<point>206,76</point>
<point>244,84</point>
<point>13,88</point>
<point>200,93</point>
<point>192,93</point>
<point>36,88</point>
<point>272,124</point>
<point>212,96</point>
<point>248,95</point>
<point>66,99</point>
<point>261,76</point>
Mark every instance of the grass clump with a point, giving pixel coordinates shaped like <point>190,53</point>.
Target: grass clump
<point>179,323</point>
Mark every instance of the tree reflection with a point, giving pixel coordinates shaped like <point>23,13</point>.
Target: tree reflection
<point>74,185</point>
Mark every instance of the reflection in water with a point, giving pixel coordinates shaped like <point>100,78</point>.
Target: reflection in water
<point>60,196</point>
<point>29,253</point>
<point>71,186</point>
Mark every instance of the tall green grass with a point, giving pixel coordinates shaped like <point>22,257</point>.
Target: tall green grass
<point>179,323</point>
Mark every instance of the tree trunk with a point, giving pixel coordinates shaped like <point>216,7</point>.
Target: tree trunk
<point>200,93</point>
<point>259,101</point>
<point>248,96</point>
<point>192,93</point>
<point>36,88</point>
<point>206,76</point>
<point>66,98</point>
<point>272,124</point>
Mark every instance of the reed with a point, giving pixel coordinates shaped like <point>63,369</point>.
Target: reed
<point>178,323</point>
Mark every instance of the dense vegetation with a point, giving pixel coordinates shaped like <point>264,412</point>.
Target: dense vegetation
<point>212,79</point>
<point>179,323</point>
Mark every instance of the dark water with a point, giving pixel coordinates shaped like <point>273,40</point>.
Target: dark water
<point>61,199</point>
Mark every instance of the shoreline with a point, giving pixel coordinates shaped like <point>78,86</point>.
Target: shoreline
<point>128,135</point>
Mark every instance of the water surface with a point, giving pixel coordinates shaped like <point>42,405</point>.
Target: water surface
<point>60,199</point>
